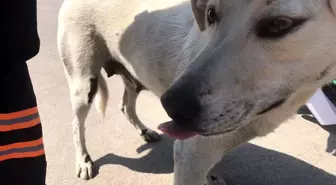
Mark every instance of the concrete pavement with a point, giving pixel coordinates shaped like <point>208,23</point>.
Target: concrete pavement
<point>298,153</point>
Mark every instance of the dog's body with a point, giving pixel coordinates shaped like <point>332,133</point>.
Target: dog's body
<point>111,28</point>
<point>215,75</point>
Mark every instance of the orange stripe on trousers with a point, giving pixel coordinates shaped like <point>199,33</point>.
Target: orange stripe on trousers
<point>22,144</point>
<point>22,155</point>
<point>18,114</point>
<point>28,124</point>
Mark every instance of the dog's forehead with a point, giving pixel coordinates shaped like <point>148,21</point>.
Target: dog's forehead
<point>292,8</point>
<point>278,5</point>
<point>307,5</point>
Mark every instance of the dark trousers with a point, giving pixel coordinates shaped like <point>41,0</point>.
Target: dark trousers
<point>22,159</point>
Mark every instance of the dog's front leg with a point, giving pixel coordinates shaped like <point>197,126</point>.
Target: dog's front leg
<point>194,158</point>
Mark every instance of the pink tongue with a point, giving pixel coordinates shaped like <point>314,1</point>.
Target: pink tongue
<point>175,131</point>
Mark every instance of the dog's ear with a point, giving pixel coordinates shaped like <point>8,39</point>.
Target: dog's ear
<point>199,9</point>
<point>333,6</point>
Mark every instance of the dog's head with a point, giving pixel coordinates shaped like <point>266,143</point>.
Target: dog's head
<point>262,58</point>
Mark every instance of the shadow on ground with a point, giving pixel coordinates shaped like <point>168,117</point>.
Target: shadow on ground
<point>331,143</point>
<point>254,165</point>
<point>246,165</point>
<point>158,161</point>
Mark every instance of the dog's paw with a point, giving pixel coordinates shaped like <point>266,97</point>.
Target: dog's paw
<point>84,168</point>
<point>150,136</point>
<point>215,180</point>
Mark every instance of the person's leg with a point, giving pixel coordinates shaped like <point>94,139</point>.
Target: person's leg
<point>22,159</point>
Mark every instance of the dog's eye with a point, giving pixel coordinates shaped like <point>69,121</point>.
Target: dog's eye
<point>276,27</point>
<point>212,16</point>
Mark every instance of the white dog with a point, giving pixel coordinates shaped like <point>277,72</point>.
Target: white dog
<point>227,71</point>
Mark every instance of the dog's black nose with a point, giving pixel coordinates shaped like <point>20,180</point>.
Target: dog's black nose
<point>181,104</point>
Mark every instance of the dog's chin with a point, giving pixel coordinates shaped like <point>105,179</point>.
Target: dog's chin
<point>180,132</point>
<point>217,133</point>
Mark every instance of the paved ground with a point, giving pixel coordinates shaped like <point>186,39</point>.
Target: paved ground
<point>298,153</point>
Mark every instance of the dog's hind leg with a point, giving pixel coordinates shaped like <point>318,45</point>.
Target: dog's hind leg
<point>81,105</point>
<point>128,107</point>
<point>83,91</point>
<point>83,56</point>
<point>132,88</point>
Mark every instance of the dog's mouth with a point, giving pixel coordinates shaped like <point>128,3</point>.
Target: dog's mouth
<point>176,131</point>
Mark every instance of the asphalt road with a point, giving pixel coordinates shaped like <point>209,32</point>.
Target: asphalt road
<point>298,153</point>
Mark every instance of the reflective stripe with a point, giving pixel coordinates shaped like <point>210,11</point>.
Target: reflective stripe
<point>19,114</point>
<point>19,120</point>
<point>22,155</point>
<point>28,124</point>
<point>22,150</point>
<point>25,119</point>
<point>22,144</point>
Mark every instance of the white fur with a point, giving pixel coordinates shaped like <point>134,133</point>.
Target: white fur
<point>158,41</point>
